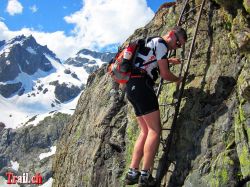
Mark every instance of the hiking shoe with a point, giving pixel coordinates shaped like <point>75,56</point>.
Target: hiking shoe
<point>131,178</point>
<point>146,181</point>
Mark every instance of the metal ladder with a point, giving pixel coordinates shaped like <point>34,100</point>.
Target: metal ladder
<point>162,164</point>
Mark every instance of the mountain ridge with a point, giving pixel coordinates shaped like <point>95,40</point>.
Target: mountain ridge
<point>34,81</point>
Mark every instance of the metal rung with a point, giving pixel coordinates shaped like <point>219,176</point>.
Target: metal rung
<point>183,59</point>
<point>169,82</point>
<point>167,104</point>
<point>189,19</point>
<point>190,39</point>
<point>165,129</point>
<point>191,10</point>
<point>190,24</point>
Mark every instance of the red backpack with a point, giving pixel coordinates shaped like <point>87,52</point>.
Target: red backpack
<point>121,65</point>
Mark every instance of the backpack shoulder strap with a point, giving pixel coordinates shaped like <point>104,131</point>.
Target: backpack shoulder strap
<point>161,40</point>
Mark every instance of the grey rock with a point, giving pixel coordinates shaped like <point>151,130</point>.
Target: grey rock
<point>210,145</point>
<point>2,125</point>
<point>9,89</point>
<point>67,71</point>
<point>74,75</point>
<point>103,158</point>
<point>45,90</point>
<point>2,43</point>
<point>79,61</point>
<point>91,69</point>
<point>20,56</point>
<point>106,57</point>
<point>21,91</point>
<point>64,93</point>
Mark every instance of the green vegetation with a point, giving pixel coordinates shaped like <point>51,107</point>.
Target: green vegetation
<point>57,118</point>
<point>131,136</point>
<point>246,4</point>
<point>219,175</point>
<point>242,134</point>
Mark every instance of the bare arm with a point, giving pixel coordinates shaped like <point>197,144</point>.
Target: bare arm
<point>174,61</point>
<point>166,73</point>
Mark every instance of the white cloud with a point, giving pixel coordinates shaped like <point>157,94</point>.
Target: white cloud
<point>33,8</point>
<point>98,24</point>
<point>14,7</point>
<point>64,46</point>
<point>103,22</point>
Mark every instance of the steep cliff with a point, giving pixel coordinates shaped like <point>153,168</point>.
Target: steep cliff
<point>92,148</point>
<point>211,140</point>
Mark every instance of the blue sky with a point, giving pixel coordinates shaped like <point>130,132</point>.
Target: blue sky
<point>48,16</point>
<point>75,20</point>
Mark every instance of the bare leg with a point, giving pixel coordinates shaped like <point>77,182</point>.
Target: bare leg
<point>153,138</point>
<point>139,144</point>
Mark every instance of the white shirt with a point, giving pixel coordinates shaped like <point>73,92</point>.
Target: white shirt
<point>155,49</point>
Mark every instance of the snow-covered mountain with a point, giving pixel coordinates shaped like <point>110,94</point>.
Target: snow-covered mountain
<point>34,83</point>
<point>89,60</point>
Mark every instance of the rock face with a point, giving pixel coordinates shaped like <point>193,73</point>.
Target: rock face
<point>65,92</point>
<point>211,137</point>
<point>98,136</point>
<point>7,90</point>
<point>21,55</point>
<point>102,56</point>
<point>24,145</point>
<point>2,43</point>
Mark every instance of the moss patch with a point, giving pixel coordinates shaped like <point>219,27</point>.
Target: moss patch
<point>220,173</point>
<point>167,92</point>
<point>241,137</point>
<point>132,132</point>
<point>245,160</point>
<point>246,4</point>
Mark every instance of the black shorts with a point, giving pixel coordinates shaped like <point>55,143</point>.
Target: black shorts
<point>141,94</point>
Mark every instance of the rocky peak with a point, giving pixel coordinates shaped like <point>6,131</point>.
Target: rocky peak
<point>30,41</point>
<point>104,56</point>
<point>23,54</point>
<point>16,39</point>
<point>90,60</point>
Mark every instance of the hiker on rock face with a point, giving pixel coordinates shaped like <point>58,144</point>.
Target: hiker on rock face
<point>142,96</point>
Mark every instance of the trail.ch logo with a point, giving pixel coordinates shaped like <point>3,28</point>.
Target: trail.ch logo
<point>23,179</point>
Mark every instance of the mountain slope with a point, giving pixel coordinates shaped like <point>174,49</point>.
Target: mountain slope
<point>30,149</point>
<point>89,60</point>
<point>211,139</point>
<point>33,103</point>
<point>33,81</point>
